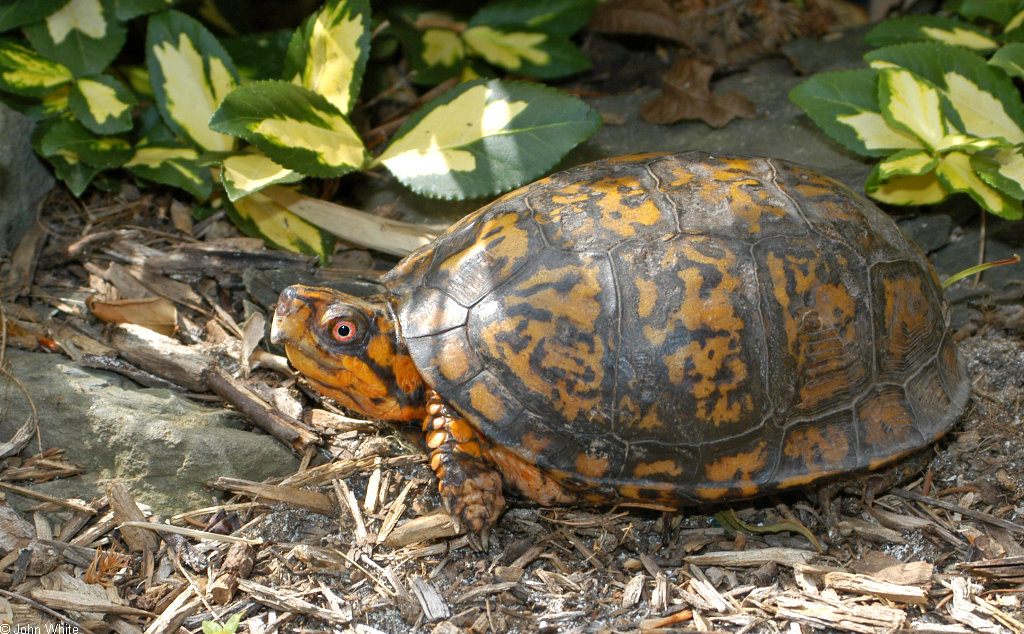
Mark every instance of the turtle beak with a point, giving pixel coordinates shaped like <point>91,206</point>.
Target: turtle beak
<point>288,304</point>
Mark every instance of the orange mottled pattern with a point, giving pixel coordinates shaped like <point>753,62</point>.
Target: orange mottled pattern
<point>670,329</point>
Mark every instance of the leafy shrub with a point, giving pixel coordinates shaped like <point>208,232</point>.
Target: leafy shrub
<point>178,119</point>
<point>938,106</point>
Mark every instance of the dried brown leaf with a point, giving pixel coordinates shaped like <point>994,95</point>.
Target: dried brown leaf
<point>154,313</point>
<point>639,17</point>
<point>686,94</point>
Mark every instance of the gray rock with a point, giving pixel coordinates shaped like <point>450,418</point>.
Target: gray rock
<point>164,447</point>
<point>23,178</point>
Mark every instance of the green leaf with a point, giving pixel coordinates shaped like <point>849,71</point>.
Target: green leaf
<point>128,9</point>
<point>190,73</point>
<point>435,54</point>
<point>1010,58</point>
<point>259,55</point>
<point>531,53</point>
<point>24,72</point>
<point>172,163</point>
<point>259,216</point>
<point>930,28</point>
<point>328,53</point>
<point>485,137</point>
<point>83,35</point>
<point>555,17</point>
<point>845,105</point>
<point>958,175</point>
<point>1014,31</point>
<point>71,139</point>
<point>245,174</point>
<point>982,100</point>
<point>15,13</point>
<point>907,163</point>
<point>913,105</point>
<point>102,104</point>
<point>998,11</point>
<point>924,189</point>
<point>295,127</point>
<point>1004,170</point>
<point>66,166</point>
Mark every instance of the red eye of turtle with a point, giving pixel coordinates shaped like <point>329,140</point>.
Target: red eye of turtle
<point>343,331</point>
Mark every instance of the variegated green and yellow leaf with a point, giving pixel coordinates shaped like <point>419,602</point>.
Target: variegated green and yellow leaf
<point>442,47</point>
<point>907,163</point>
<point>925,189</point>
<point>15,13</point>
<point>25,72</point>
<point>1014,29</point>
<point>245,174</point>
<point>328,53</point>
<point>190,73</point>
<point>83,35</point>
<point>1003,170</point>
<point>911,104</point>
<point>845,105</point>
<point>930,28</point>
<point>102,104</point>
<point>66,165</point>
<point>1010,57</point>
<point>296,127</point>
<point>259,216</point>
<point>556,17</point>
<point>978,99</point>
<point>958,175</point>
<point>532,53</point>
<point>464,144</point>
<point>172,164</point>
<point>69,138</point>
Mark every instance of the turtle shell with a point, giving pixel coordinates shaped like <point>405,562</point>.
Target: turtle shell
<point>682,328</point>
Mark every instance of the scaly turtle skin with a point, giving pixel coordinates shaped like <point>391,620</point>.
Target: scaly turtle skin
<point>666,329</point>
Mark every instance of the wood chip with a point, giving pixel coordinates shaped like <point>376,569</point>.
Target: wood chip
<point>312,500</point>
<point>753,558</point>
<point>821,612</point>
<point>864,584</point>
<point>126,510</point>
<point>434,606</point>
<point>632,592</point>
<point>425,528</point>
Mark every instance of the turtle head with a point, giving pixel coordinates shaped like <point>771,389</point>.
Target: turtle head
<point>349,349</point>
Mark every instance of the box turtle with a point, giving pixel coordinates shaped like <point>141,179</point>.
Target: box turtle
<point>664,329</point>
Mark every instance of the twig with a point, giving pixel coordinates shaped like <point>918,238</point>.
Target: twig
<point>43,608</point>
<point>956,508</point>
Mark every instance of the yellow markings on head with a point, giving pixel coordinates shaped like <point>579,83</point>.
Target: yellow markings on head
<point>591,466</point>
<point>380,350</point>
<point>886,421</point>
<point>486,402</point>
<point>434,146</point>
<point>668,468</point>
<point>406,375</point>
<point>819,452</point>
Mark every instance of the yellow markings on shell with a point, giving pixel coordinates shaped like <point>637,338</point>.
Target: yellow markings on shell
<point>906,319</point>
<point>668,468</point>
<point>735,470</point>
<point>591,466</point>
<point>252,171</point>
<point>442,47</point>
<point>334,142</point>
<point>502,240</point>
<point>699,365</point>
<point>102,100</point>
<point>876,133</point>
<point>486,402</point>
<point>534,445</point>
<point>333,51</point>
<point>647,292</point>
<point>84,16</point>
<point>190,99</point>
<point>804,277</point>
<point>885,421</point>
<point>819,452</point>
<point>651,420</point>
<point>507,49</point>
<point>453,361</point>
<point>434,145</point>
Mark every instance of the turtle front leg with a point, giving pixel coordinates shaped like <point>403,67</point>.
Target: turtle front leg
<point>470,487</point>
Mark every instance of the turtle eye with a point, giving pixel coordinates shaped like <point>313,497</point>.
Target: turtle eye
<point>344,331</point>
